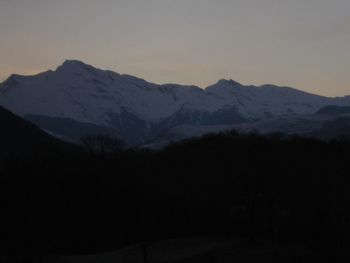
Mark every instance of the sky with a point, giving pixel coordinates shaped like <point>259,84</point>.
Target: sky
<point>300,43</point>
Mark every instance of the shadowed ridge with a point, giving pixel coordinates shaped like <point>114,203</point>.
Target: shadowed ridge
<point>21,138</point>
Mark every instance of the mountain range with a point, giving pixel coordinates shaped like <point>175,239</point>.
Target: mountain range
<point>77,100</point>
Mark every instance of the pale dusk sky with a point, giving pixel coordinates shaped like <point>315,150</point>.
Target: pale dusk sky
<point>300,43</point>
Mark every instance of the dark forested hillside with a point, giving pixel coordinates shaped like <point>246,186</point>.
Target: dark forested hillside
<point>21,139</point>
<point>281,189</point>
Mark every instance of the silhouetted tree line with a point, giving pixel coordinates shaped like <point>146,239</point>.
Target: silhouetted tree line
<point>278,188</point>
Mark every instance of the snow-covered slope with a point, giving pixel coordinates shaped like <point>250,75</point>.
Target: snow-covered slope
<point>139,110</point>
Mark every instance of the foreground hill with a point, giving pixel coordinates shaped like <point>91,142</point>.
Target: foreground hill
<point>101,101</point>
<point>22,139</point>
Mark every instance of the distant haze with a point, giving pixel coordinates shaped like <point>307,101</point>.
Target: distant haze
<point>299,43</point>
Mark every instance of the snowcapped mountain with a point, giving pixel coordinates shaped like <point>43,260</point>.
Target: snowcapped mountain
<point>135,110</point>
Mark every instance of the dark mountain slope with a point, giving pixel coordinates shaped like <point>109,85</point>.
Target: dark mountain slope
<point>21,139</point>
<point>334,110</point>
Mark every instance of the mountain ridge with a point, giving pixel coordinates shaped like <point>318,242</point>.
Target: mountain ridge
<point>77,64</point>
<point>140,110</point>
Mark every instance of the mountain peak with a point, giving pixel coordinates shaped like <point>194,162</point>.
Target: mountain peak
<point>73,62</point>
<point>224,84</point>
<point>74,65</point>
<point>10,82</point>
<point>229,82</point>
